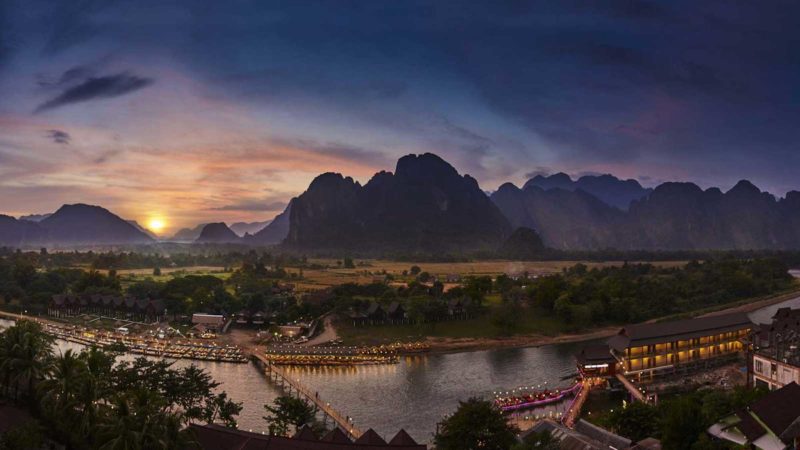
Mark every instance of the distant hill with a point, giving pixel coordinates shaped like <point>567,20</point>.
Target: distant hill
<point>565,219</point>
<point>607,188</point>
<point>242,228</point>
<point>217,233</point>
<point>188,234</point>
<point>674,216</point>
<point>142,229</point>
<point>276,231</point>
<point>35,217</point>
<point>424,206</point>
<point>88,224</point>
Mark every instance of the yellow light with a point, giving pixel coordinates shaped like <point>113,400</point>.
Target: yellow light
<point>156,224</point>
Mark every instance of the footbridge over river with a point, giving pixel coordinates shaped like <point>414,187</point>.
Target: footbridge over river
<point>280,376</point>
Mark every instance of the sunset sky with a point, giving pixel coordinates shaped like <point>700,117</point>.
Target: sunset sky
<point>223,110</point>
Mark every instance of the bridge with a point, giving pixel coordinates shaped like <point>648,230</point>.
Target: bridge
<point>278,374</point>
<point>636,393</point>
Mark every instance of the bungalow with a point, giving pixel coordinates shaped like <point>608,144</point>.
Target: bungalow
<point>65,305</point>
<point>375,313</point>
<point>459,308</point>
<point>396,312</point>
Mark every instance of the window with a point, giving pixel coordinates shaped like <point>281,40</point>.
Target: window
<point>759,366</point>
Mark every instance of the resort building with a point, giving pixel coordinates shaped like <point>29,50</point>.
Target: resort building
<point>141,309</point>
<point>208,322</point>
<point>776,352</point>
<point>653,349</point>
<point>771,423</point>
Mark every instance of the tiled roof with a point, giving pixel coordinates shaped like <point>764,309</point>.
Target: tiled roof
<point>653,333</point>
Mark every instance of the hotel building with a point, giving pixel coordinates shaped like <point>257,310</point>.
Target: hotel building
<point>652,349</point>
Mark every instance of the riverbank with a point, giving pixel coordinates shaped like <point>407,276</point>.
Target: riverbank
<point>451,345</point>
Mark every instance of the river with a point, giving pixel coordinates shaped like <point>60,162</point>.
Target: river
<point>413,394</point>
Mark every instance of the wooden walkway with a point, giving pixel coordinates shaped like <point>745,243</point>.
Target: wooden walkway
<point>574,411</point>
<point>635,392</point>
<point>279,374</point>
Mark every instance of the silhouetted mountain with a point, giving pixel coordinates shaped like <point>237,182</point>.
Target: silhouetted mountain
<point>188,234</point>
<point>564,219</point>
<point>276,231</point>
<point>675,216</point>
<point>87,224</point>
<point>217,233</point>
<point>142,229</point>
<point>608,188</point>
<point>35,217</point>
<point>425,206</point>
<point>524,243</point>
<point>242,228</point>
<point>15,232</point>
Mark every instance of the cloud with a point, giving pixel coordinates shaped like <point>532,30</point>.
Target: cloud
<point>59,137</point>
<point>253,205</point>
<point>96,88</point>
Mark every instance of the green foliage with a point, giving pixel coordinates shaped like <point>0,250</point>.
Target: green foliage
<point>89,400</point>
<point>681,421</point>
<point>476,424</point>
<point>636,422</point>
<point>27,436</point>
<point>287,411</point>
<point>506,318</point>
<point>636,292</point>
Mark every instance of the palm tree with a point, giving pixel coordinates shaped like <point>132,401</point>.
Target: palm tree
<point>25,356</point>
<point>59,393</point>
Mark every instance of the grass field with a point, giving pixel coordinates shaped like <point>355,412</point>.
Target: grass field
<point>130,276</point>
<point>367,270</point>
<point>479,327</point>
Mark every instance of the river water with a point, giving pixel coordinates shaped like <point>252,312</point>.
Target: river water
<point>413,394</point>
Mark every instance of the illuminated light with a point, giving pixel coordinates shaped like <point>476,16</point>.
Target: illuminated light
<point>156,224</point>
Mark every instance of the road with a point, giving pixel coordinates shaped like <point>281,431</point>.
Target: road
<point>328,333</point>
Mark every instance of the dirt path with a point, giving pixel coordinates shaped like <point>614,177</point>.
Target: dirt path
<point>328,333</point>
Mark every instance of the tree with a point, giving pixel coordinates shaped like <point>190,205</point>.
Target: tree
<point>288,411</point>
<point>348,263</point>
<point>415,270</point>
<point>506,318</point>
<point>476,425</point>
<point>636,421</point>
<point>157,271</point>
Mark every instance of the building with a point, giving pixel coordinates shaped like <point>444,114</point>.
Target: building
<point>216,437</point>
<point>144,310</point>
<point>771,423</point>
<point>396,313</point>
<point>210,322</point>
<point>776,351</point>
<point>586,436</point>
<point>653,349</point>
<point>596,360</point>
<point>656,348</point>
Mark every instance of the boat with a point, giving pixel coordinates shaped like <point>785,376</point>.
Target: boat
<point>535,399</point>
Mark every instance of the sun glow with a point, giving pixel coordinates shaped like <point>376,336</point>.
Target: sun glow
<point>156,225</point>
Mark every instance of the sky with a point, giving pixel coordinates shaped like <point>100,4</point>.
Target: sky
<point>192,111</point>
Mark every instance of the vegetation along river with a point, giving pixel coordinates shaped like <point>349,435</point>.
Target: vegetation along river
<point>413,394</point>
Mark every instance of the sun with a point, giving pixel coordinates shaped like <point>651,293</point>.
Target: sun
<point>156,224</point>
